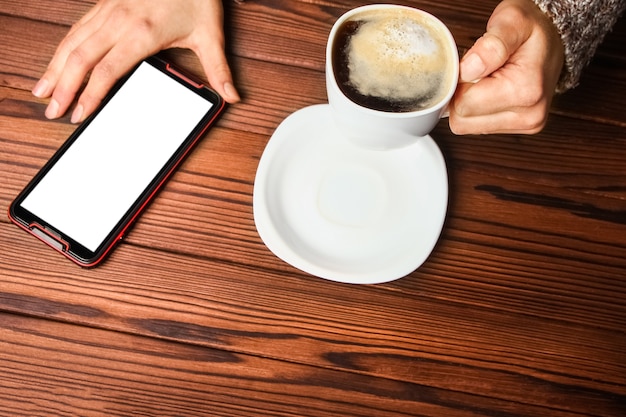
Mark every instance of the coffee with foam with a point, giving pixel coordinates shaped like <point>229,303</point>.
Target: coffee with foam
<point>393,61</point>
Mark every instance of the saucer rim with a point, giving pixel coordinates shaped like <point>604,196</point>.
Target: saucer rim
<point>277,243</point>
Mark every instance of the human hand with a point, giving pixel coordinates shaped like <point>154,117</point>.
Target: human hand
<point>509,76</point>
<point>116,34</point>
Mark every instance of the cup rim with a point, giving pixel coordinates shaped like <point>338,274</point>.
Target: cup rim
<point>399,115</point>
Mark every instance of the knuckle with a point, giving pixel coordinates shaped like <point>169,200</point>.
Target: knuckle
<point>500,38</point>
<point>511,13</point>
<point>78,58</point>
<point>538,124</point>
<point>144,27</point>
<point>496,46</point>
<point>533,122</point>
<point>222,70</point>
<point>460,111</point>
<point>129,22</point>
<point>72,39</point>
<point>75,26</point>
<point>531,95</point>
<point>461,102</point>
<point>457,126</point>
<point>104,70</point>
<point>119,13</point>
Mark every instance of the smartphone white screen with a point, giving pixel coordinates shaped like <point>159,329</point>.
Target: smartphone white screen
<point>102,174</point>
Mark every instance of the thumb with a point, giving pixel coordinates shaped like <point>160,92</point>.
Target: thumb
<point>218,73</point>
<point>506,32</point>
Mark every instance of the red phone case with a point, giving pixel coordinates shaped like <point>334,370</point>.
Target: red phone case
<point>75,251</point>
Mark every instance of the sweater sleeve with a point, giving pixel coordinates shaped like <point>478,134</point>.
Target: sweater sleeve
<point>582,25</point>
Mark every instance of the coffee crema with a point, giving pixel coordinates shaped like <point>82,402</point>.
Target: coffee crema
<point>392,61</point>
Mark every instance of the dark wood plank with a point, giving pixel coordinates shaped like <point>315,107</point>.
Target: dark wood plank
<point>518,312</point>
<point>372,330</point>
<point>51,368</point>
<point>63,13</point>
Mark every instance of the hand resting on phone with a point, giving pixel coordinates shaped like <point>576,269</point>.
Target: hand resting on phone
<point>116,34</point>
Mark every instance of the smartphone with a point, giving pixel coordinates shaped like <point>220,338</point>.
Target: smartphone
<point>85,198</point>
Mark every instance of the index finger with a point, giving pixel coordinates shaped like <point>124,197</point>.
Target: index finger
<point>80,31</point>
<point>120,59</point>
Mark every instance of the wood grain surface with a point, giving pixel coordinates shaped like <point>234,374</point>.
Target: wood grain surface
<point>519,311</point>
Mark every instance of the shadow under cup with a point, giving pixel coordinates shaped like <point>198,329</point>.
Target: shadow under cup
<point>381,30</point>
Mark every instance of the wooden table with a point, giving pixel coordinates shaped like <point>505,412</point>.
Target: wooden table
<point>519,311</point>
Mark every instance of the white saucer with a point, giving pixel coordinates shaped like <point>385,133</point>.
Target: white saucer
<point>346,213</point>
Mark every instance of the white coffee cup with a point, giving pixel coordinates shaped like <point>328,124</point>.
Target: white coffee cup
<point>426,49</point>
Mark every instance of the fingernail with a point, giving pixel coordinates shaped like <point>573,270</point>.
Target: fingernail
<point>40,88</point>
<point>231,92</point>
<point>472,68</point>
<point>52,110</point>
<point>77,114</point>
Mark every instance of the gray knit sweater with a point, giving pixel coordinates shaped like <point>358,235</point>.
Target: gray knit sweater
<point>582,25</point>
